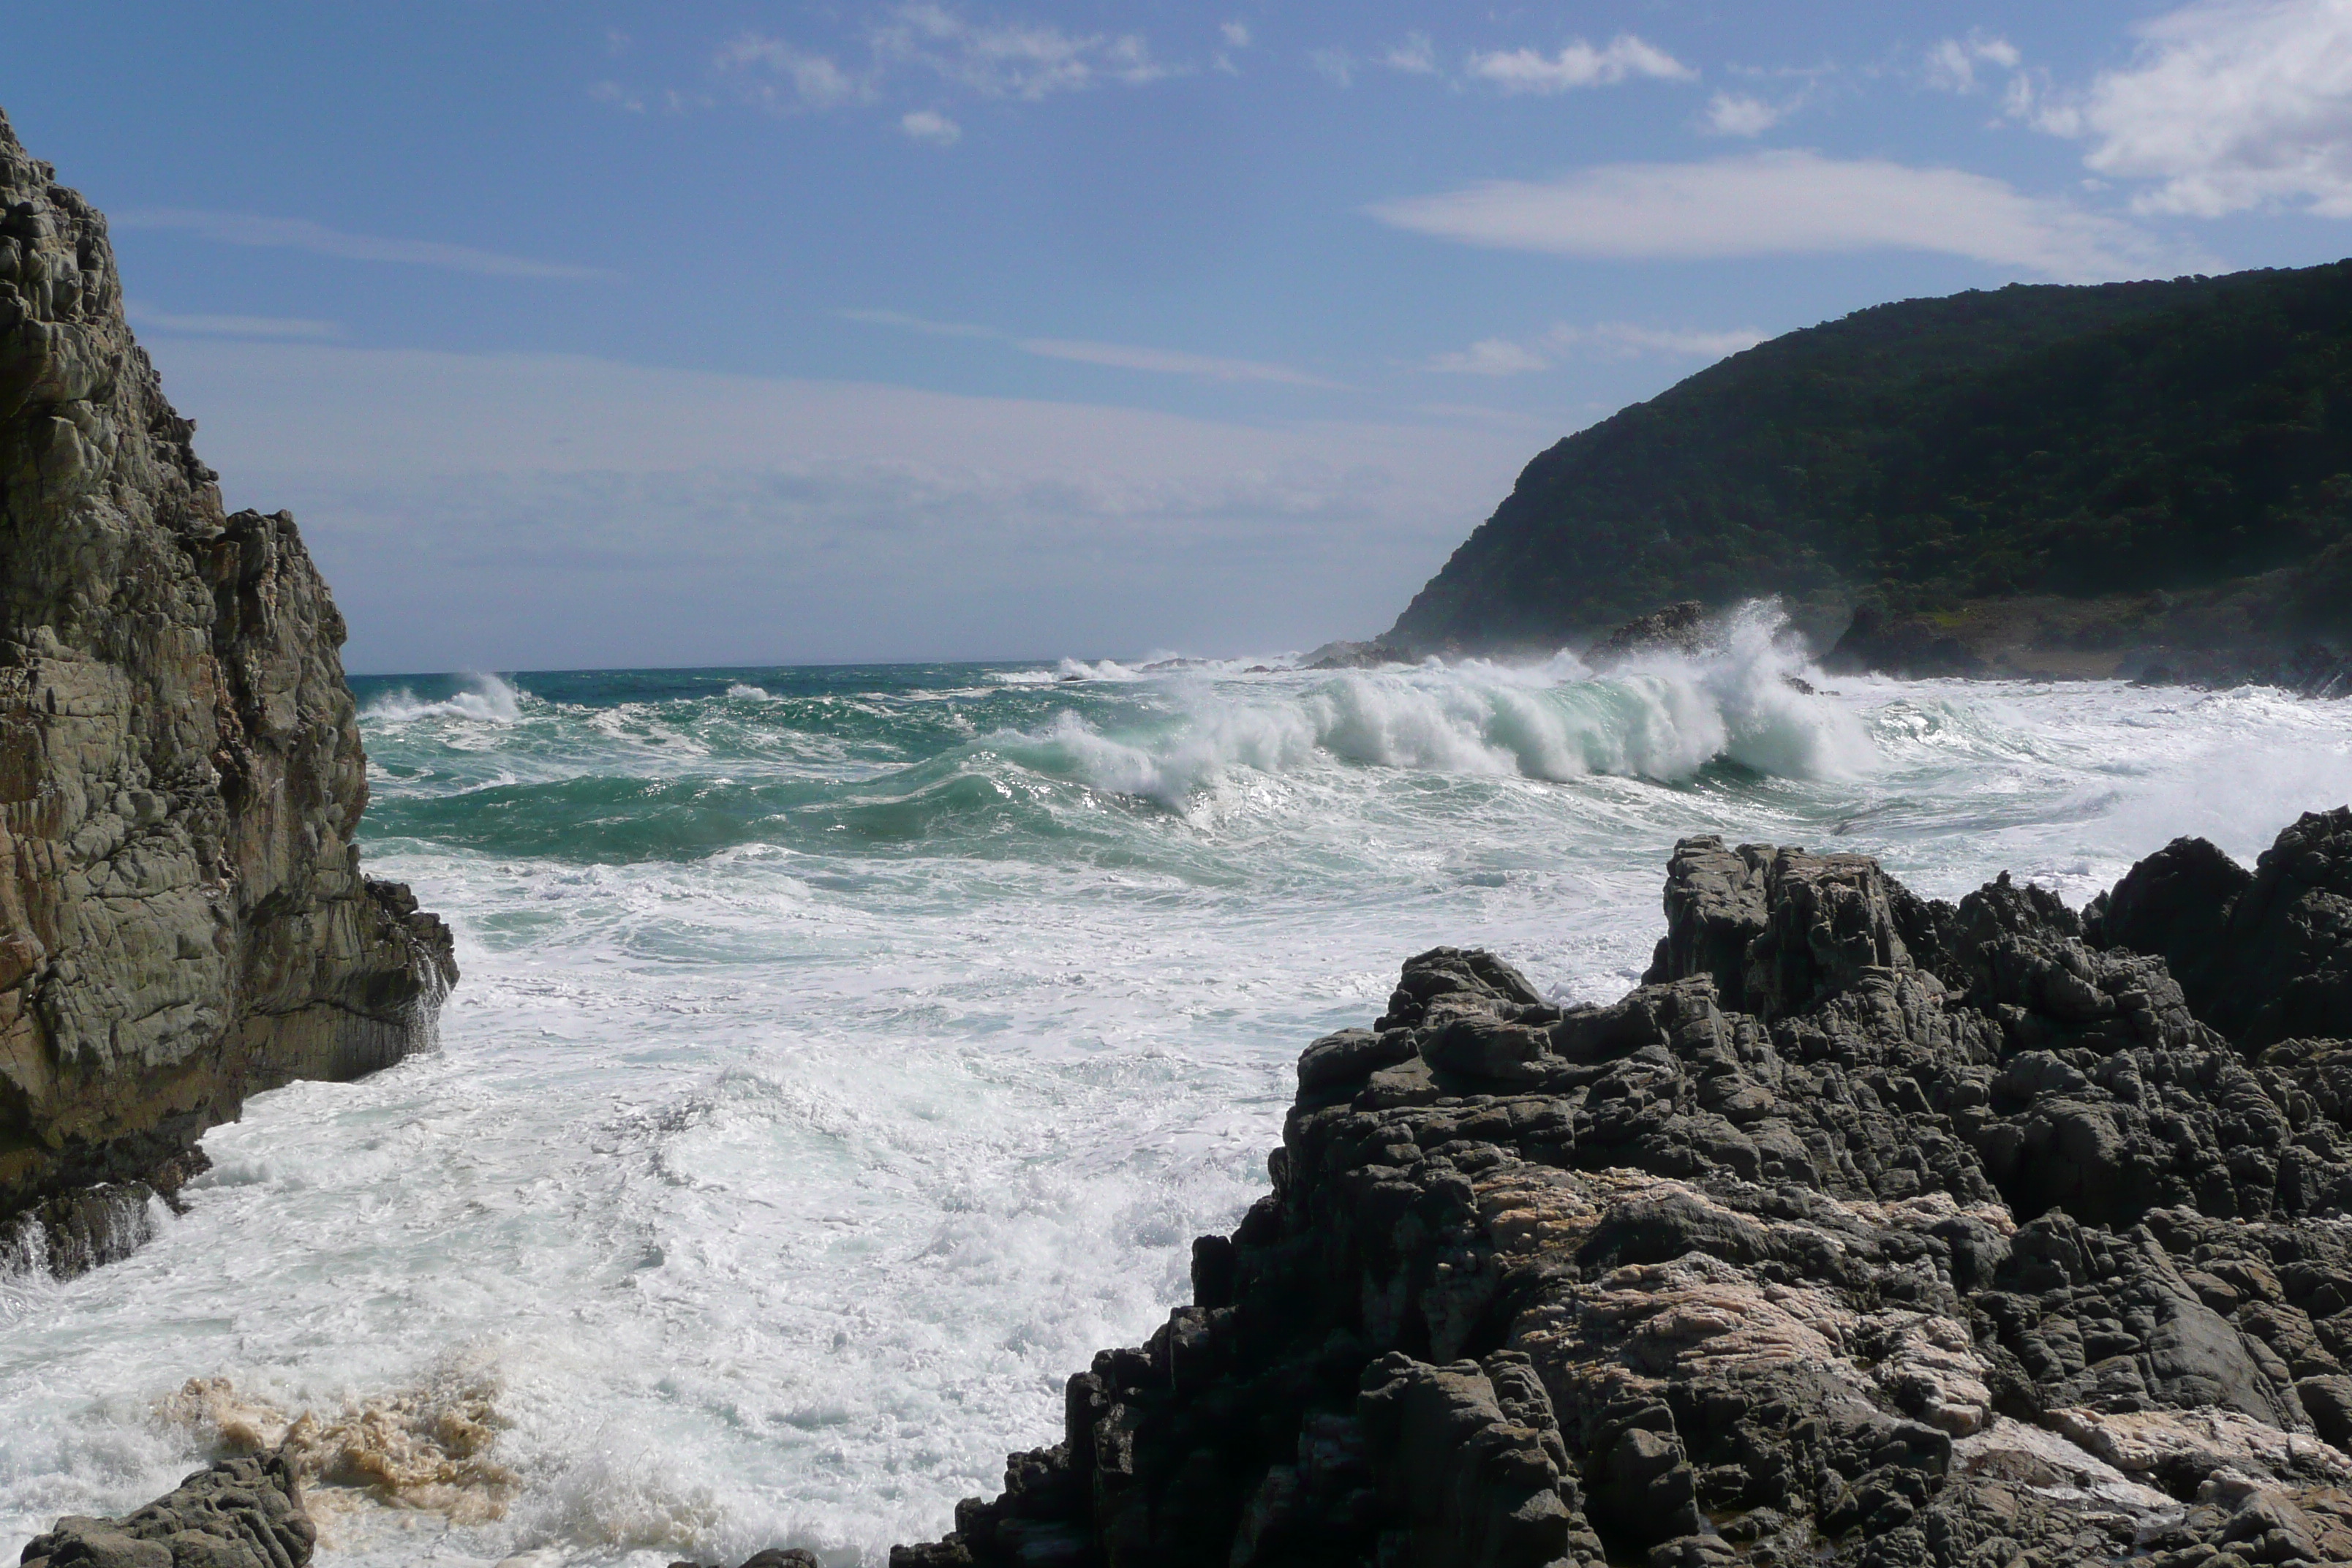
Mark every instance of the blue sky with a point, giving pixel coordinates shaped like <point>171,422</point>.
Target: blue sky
<point>590,334</point>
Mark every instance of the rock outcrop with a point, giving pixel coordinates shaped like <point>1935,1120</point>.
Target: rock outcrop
<point>182,916</point>
<point>239,1514</point>
<point>1868,1230</point>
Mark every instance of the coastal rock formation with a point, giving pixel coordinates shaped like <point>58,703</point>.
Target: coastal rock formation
<point>1869,1229</point>
<point>1680,627</point>
<point>182,917</point>
<point>240,1513</point>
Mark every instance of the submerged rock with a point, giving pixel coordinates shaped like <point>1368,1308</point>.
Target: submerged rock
<point>1868,1230</point>
<point>182,917</point>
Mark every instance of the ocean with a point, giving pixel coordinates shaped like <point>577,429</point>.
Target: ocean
<point>844,1054</point>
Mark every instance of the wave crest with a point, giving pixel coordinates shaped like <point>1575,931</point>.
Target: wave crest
<point>484,698</point>
<point>1662,716</point>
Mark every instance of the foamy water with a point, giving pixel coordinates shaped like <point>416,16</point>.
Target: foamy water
<point>845,1056</point>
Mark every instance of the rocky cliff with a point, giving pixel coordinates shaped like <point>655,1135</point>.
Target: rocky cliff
<point>1868,1230</point>
<point>182,917</point>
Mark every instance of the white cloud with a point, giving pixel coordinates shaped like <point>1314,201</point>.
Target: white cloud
<point>302,234</point>
<point>1168,362</point>
<point>1235,34</point>
<point>1417,55</point>
<point>929,125</point>
<point>1951,65</point>
<point>232,326</point>
<point>1491,356</point>
<point>2230,106</point>
<point>1334,66</point>
<point>1012,59</point>
<point>797,79</point>
<point>1578,65</point>
<point>1793,202</point>
<point>619,96</point>
<point>582,512</point>
<point>1740,115</point>
<point>1610,339</point>
<point>1625,340</point>
<point>1117,356</point>
<point>918,325</point>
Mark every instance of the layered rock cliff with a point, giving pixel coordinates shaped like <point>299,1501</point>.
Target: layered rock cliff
<point>1868,1230</point>
<point>183,920</point>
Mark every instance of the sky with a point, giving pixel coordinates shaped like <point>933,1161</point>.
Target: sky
<point>595,335</point>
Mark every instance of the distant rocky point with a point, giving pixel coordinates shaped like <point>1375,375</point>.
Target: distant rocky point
<point>183,920</point>
<point>2037,481</point>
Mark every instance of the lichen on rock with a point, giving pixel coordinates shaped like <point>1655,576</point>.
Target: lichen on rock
<point>183,920</point>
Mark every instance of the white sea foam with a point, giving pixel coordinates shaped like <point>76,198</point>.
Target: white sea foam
<point>486,698</point>
<point>1661,717</point>
<point>772,1186</point>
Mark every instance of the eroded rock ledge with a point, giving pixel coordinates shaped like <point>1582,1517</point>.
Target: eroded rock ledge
<point>1868,1230</point>
<point>182,917</point>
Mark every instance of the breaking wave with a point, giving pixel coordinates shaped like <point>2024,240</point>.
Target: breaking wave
<point>485,698</point>
<point>1752,699</point>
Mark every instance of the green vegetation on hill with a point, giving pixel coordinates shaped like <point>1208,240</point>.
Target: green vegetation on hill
<point>2123,438</point>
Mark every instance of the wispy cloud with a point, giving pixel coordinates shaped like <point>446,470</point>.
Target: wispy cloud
<point>1578,64</point>
<point>1235,34</point>
<point>1609,340</point>
<point>918,325</point>
<point>1490,356</point>
<point>1626,339</point>
<point>1168,362</point>
<point>586,511</point>
<point>232,326</point>
<point>929,125</point>
<point>1117,356</point>
<point>1336,65</point>
<point>1951,65</point>
<point>302,234</point>
<point>1417,55</point>
<point>2233,105</point>
<point>1790,203</point>
<point>784,78</point>
<point>1018,60</point>
<point>619,96</point>
<point>1744,114</point>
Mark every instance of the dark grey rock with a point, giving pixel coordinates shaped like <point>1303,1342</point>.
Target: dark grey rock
<point>1869,1230</point>
<point>240,1513</point>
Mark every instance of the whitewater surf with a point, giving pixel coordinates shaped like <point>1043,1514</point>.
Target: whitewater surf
<point>844,1054</point>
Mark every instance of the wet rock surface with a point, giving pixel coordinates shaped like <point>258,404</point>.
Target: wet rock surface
<point>182,917</point>
<point>240,1513</point>
<point>1869,1229</point>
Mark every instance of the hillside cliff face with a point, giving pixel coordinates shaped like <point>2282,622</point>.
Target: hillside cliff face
<point>182,917</point>
<point>2180,452</point>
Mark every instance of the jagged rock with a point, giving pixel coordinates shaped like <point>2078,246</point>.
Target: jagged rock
<point>182,917</point>
<point>240,1513</point>
<point>1911,647</point>
<point>2264,956</point>
<point>1869,1229</point>
<point>1678,628</point>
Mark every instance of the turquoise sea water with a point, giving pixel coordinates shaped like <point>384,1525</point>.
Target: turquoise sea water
<point>844,1054</point>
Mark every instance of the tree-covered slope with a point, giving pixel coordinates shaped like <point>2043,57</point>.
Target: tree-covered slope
<point>2119,438</point>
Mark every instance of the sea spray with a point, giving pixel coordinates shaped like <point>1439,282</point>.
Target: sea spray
<point>835,1073</point>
